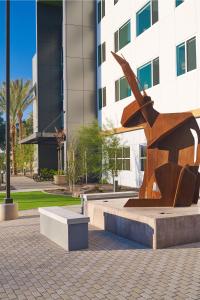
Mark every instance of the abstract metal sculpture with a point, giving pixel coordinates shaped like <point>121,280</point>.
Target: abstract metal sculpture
<point>171,176</point>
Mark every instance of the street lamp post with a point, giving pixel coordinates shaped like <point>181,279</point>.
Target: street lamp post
<point>8,199</point>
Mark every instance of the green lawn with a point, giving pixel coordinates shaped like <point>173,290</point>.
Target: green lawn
<point>29,200</point>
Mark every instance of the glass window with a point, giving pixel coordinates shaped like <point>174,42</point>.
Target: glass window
<point>120,158</point>
<point>149,74</point>
<point>143,156</point>
<point>180,54</point>
<point>117,90</point>
<point>101,53</point>
<point>122,89</point>
<point>126,158</point>
<point>102,97</point>
<point>186,56</point>
<point>122,36</point>
<point>178,2</point>
<point>191,54</point>
<point>146,16</point>
<point>156,71</point>
<point>101,10</point>
<point>154,12</point>
<point>144,76</point>
<point>143,19</point>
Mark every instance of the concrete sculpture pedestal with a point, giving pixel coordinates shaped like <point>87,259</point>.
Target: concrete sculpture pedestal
<point>157,227</point>
<point>8,211</point>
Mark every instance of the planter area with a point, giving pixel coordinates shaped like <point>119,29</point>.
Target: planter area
<point>60,179</point>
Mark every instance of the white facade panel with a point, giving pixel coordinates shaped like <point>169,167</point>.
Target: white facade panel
<point>173,93</point>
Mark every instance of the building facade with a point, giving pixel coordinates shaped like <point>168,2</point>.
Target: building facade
<point>161,41</point>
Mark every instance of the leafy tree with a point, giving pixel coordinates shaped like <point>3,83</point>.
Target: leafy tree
<point>89,152</point>
<point>93,154</point>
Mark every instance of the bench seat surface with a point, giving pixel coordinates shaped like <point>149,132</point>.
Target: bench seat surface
<point>63,215</point>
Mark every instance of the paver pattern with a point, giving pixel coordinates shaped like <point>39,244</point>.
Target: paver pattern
<point>33,267</point>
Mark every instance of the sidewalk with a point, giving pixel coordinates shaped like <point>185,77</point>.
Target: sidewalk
<point>113,268</point>
<point>26,184</point>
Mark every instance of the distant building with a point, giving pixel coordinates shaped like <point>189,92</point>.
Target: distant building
<point>64,74</point>
<point>77,78</point>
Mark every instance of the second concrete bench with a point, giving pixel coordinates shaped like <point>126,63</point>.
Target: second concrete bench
<point>64,227</point>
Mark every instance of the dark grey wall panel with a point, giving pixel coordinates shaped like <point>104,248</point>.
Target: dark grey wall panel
<point>49,47</point>
<point>47,156</point>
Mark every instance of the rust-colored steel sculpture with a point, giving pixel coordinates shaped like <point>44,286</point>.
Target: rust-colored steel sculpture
<point>171,176</point>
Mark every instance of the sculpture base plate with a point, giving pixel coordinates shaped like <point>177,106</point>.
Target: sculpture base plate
<point>155,227</point>
<point>8,211</point>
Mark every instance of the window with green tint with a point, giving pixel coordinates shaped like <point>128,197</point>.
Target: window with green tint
<point>122,89</point>
<point>125,90</point>
<point>102,97</point>
<point>178,2</point>
<point>142,156</point>
<point>180,59</point>
<point>101,53</point>
<point>122,36</point>
<point>146,16</point>
<point>191,54</point>
<point>101,10</point>
<point>149,74</point>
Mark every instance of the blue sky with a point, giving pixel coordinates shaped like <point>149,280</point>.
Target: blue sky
<point>22,38</point>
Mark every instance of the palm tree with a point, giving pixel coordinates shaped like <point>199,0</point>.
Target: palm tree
<point>21,96</point>
<point>24,97</point>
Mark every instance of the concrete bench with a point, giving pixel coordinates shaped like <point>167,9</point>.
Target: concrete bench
<point>64,227</point>
<point>102,196</point>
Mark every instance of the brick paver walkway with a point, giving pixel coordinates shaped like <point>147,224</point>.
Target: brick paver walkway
<point>32,267</point>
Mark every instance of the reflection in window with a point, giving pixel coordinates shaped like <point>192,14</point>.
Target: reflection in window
<point>122,89</point>
<point>146,16</point>
<point>148,74</point>
<point>142,156</point>
<point>101,10</point>
<point>120,159</point>
<point>186,56</point>
<point>122,36</point>
<point>102,97</point>
<point>178,2</point>
<point>101,53</point>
